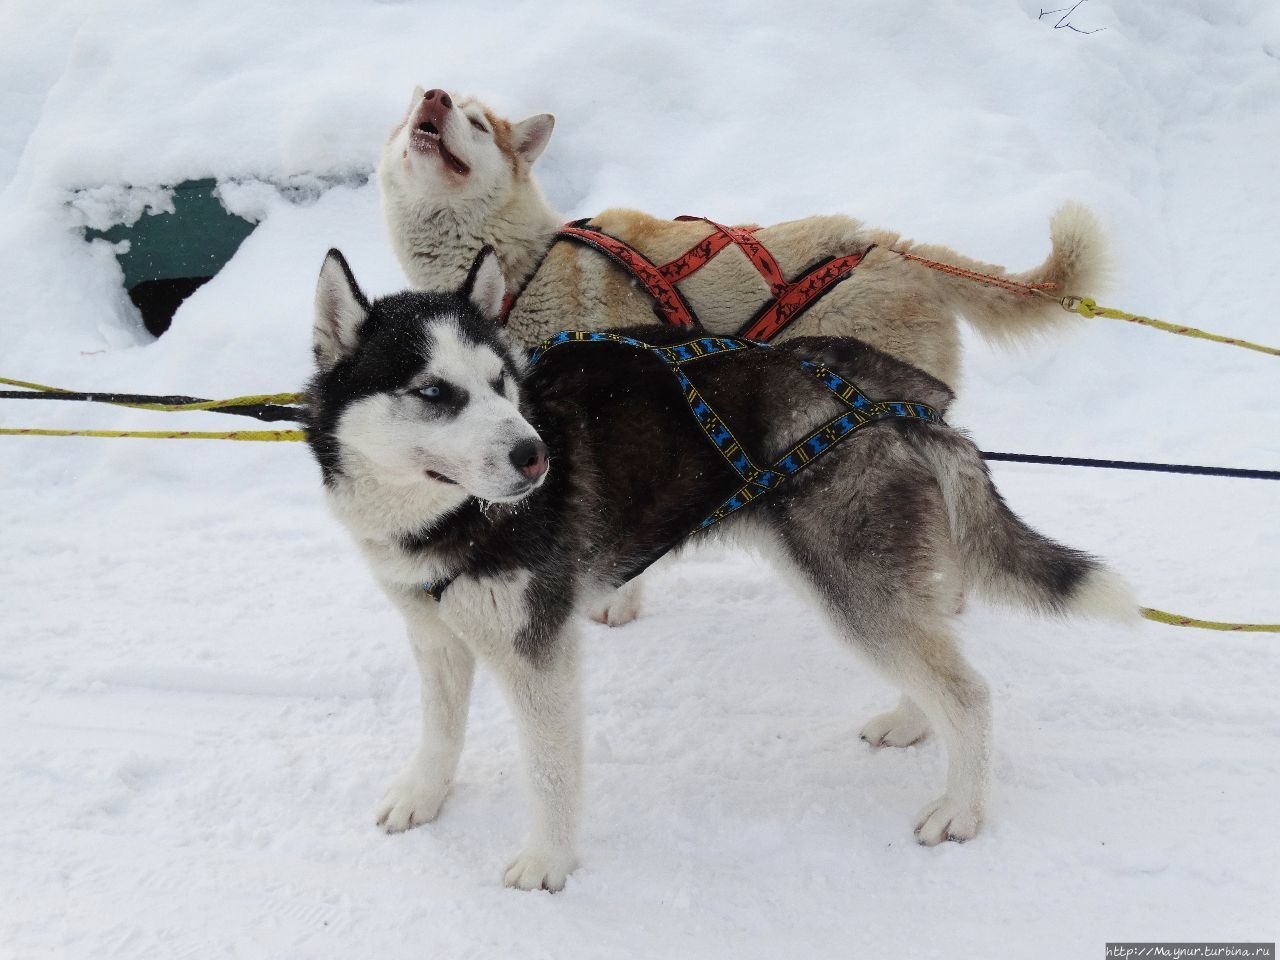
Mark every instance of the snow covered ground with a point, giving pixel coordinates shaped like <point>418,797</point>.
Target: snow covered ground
<point>202,694</point>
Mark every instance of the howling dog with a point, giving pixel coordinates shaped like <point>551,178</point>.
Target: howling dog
<point>495,498</point>
<point>455,177</point>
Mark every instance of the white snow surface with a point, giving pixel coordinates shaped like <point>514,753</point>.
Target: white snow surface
<point>203,694</point>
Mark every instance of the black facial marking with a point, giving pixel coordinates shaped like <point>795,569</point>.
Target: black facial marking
<point>390,355</point>
<point>441,399</point>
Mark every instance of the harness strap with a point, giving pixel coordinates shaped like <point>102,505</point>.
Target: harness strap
<point>754,250</point>
<point>799,296</point>
<point>668,301</point>
<point>862,412</point>
<point>696,257</point>
<point>508,302</point>
<point>756,481</point>
<point>790,298</point>
<point>712,424</point>
<point>436,588</point>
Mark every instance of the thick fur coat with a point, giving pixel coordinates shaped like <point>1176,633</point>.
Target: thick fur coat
<point>455,176</point>
<point>534,492</point>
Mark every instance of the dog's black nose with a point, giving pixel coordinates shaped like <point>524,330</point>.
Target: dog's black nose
<point>530,458</point>
<point>445,100</point>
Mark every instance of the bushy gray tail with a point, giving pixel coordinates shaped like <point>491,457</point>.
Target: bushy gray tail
<point>1004,558</point>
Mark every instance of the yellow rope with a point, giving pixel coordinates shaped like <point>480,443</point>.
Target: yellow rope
<point>33,386</point>
<point>1178,620</point>
<point>1160,616</point>
<point>1085,306</point>
<point>202,405</point>
<point>219,404</point>
<point>160,434</point>
<point>1088,307</point>
<point>1082,305</point>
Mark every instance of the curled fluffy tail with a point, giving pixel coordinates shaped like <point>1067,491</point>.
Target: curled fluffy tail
<point>1004,558</point>
<point>1077,264</point>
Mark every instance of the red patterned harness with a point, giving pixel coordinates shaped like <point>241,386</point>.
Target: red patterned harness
<point>790,297</point>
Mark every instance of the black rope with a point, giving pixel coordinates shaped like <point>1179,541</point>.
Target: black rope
<point>275,412</point>
<point>269,412</point>
<point>1135,465</point>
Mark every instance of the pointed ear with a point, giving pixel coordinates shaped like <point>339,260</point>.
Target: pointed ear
<point>485,285</point>
<point>340,309</point>
<point>530,135</point>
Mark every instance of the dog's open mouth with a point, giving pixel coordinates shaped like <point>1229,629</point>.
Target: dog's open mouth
<point>441,477</point>
<point>426,137</point>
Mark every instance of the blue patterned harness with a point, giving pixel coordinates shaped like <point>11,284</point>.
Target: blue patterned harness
<point>756,481</point>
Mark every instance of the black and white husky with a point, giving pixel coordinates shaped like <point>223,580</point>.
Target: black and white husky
<point>534,491</point>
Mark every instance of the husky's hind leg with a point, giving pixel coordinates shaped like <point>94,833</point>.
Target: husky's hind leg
<point>902,726</point>
<point>878,557</point>
<point>941,692</point>
<point>927,664</point>
<point>621,606</point>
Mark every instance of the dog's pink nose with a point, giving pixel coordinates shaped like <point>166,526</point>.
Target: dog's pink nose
<point>530,458</point>
<point>445,100</point>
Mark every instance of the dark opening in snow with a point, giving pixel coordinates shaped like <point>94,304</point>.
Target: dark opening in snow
<point>158,300</point>
<point>171,255</point>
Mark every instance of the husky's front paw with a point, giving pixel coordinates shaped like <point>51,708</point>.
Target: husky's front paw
<point>621,606</point>
<point>897,728</point>
<point>414,798</point>
<point>947,819</point>
<point>540,869</point>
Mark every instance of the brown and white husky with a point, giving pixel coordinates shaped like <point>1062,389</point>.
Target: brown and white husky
<point>456,177</point>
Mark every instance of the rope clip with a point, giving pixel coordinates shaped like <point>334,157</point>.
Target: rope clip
<point>1085,306</point>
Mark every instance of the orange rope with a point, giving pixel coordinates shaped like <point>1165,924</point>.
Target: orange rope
<point>1013,286</point>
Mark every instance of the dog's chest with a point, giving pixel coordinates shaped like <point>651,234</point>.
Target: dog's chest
<point>391,561</point>
<point>389,535</point>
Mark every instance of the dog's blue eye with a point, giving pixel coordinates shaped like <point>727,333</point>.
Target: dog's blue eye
<point>432,392</point>
<point>478,125</point>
